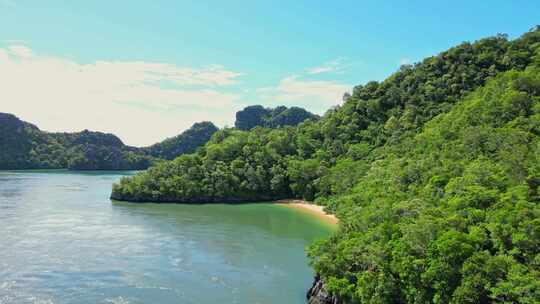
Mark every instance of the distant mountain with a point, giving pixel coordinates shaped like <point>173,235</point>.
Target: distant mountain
<point>254,116</point>
<point>100,151</point>
<point>25,146</point>
<point>186,142</point>
<point>15,141</point>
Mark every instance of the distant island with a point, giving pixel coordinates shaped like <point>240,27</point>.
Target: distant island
<point>433,174</point>
<point>259,116</point>
<point>25,146</point>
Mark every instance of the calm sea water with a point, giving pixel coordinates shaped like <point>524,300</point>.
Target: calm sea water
<point>63,241</point>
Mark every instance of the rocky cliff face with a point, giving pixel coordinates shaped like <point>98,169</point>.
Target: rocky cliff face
<point>318,294</point>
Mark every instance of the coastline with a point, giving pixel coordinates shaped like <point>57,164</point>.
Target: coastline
<point>307,207</point>
<point>301,205</point>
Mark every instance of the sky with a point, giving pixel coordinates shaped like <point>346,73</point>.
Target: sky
<point>147,70</point>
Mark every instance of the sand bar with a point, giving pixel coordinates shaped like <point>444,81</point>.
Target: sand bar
<point>310,208</point>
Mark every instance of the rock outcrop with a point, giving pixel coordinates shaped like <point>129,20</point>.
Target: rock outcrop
<point>318,294</point>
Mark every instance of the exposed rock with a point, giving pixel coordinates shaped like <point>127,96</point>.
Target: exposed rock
<point>318,294</point>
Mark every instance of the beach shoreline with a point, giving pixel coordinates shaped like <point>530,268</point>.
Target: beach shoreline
<point>310,208</point>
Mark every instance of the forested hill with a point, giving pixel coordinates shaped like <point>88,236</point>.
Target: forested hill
<point>187,142</point>
<point>451,215</point>
<point>259,116</point>
<point>24,146</point>
<point>433,172</point>
<point>317,158</point>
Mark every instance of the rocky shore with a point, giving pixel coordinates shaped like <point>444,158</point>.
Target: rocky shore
<point>318,294</point>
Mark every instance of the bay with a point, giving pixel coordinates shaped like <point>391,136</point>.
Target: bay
<point>63,241</point>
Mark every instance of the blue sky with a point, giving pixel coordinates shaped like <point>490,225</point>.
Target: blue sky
<point>147,70</point>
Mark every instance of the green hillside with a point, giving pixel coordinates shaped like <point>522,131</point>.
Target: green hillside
<point>319,159</point>
<point>450,215</point>
<point>187,142</point>
<point>433,173</point>
<point>259,116</point>
<point>24,146</point>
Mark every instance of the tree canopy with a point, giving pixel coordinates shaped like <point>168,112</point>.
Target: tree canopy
<point>24,146</point>
<point>259,116</point>
<point>433,173</point>
<point>27,147</point>
<point>187,142</point>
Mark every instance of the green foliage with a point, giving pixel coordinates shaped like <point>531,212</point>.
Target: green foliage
<point>433,172</point>
<point>302,174</point>
<point>24,146</point>
<point>460,224</point>
<point>15,145</point>
<point>187,142</point>
<point>234,166</point>
<point>258,116</point>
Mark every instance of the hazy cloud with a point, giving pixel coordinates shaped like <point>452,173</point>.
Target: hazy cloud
<point>332,66</point>
<point>316,95</point>
<point>143,102</point>
<point>405,60</point>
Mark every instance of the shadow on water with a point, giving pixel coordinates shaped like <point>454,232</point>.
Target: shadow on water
<point>269,218</point>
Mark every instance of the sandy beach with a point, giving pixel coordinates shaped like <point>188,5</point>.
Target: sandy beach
<point>310,208</point>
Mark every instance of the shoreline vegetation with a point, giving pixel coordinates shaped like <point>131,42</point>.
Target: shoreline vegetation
<point>309,208</point>
<point>298,204</point>
<point>434,172</point>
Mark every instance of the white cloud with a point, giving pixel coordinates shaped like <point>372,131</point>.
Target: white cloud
<point>316,95</point>
<point>332,66</point>
<point>19,51</point>
<point>142,102</point>
<point>404,61</point>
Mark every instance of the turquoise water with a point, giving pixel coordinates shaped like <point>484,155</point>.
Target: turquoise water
<point>63,241</point>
